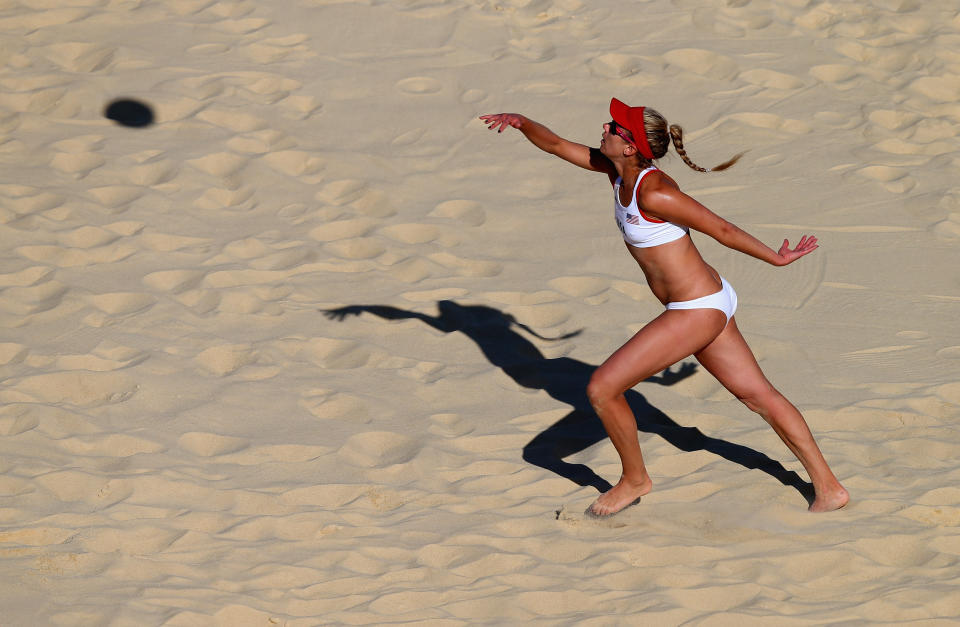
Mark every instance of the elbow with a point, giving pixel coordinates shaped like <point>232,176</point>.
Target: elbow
<point>727,234</point>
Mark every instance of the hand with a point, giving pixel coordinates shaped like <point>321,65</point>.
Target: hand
<point>503,120</point>
<point>805,246</point>
<point>341,313</point>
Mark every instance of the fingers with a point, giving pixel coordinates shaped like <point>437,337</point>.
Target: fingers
<point>807,244</point>
<point>492,121</point>
<point>500,121</point>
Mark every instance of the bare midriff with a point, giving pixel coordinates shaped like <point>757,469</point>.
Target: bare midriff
<point>675,271</point>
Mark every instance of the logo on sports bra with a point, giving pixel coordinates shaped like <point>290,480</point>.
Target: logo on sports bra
<point>631,219</point>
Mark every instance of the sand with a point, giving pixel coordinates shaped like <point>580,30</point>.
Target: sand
<point>187,438</point>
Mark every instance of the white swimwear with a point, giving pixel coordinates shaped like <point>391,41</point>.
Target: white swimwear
<point>725,300</point>
<point>642,231</point>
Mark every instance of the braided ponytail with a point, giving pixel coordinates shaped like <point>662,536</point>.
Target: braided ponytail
<point>676,133</point>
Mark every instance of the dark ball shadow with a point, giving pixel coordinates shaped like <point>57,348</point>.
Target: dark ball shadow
<point>127,112</point>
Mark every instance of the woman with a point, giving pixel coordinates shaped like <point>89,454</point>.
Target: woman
<point>655,217</point>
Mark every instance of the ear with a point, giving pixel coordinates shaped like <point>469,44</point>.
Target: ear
<point>629,150</point>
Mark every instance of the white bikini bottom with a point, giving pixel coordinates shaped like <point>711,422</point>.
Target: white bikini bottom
<point>725,300</point>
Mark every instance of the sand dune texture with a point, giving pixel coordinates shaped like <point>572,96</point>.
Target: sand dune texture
<point>310,349</point>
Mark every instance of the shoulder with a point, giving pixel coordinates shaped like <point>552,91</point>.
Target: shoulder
<point>657,188</point>
<point>661,197</point>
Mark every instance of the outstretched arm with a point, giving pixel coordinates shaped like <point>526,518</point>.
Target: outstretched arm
<point>548,141</point>
<point>386,312</point>
<point>669,203</point>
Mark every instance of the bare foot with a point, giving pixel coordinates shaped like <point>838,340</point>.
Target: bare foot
<point>619,497</point>
<point>829,501</point>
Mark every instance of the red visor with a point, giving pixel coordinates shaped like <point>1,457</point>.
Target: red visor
<point>631,118</point>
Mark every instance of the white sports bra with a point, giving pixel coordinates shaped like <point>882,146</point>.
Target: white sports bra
<point>639,230</point>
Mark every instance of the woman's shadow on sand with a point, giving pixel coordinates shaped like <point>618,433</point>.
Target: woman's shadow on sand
<point>566,380</point>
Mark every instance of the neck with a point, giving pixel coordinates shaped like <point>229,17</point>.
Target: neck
<point>630,170</point>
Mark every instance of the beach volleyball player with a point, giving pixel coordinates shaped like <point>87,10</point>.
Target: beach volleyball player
<point>655,217</point>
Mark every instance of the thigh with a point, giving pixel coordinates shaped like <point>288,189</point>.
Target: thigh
<point>730,360</point>
<point>665,340</point>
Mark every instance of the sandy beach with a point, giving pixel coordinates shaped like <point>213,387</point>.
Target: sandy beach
<point>256,358</point>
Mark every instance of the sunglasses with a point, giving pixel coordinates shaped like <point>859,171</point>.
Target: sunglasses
<point>624,134</point>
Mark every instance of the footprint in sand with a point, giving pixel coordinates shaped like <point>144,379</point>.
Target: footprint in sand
<point>771,79</point>
<point>412,233</point>
<point>263,87</point>
<point>467,212</point>
<point>949,352</point>
<point>533,49</point>
<point>543,316</point>
<point>29,21</point>
<point>449,425</point>
<point>702,63</point>
<point>939,89</point>
<point>114,196</point>
<point>166,243</point>
<point>136,540</point>
<point>122,303</point>
<point>22,200</point>
<point>432,296</point>
<point>472,96</point>
<point>277,453</point>
<point>174,281</point>
<point>300,107</point>
<point>71,486</point>
<point>243,26</point>
<point>580,286</point>
<point>466,267</point>
<point>615,65</point>
<point>233,120</point>
<point>283,259</point>
<point>835,74</point>
<point>295,163</point>
<point>87,237</point>
<point>210,444</point>
<point>342,192</point>
<point>216,198</point>
<point>260,142</point>
<point>277,49</point>
<point>153,173</point>
<point>109,445</point>
<point>83,58</point>
<point>343,229</point>
<point>26,277</point>
<point>334,353</point>
<point>377,449</point>
<point>99,362</point>
<point>79,388</point>
<point>66,257</point>
<point>356,248</point>
<point>225,360</point>
<point>78,165</point>
<point>12,353</point>
<point>336,406</point>
<point>220,164</point>
<point>419,85</point>
<point>895,550</point>
<point>17,419</point>
<point>22,301</point>
<point>895,180</point>
<point>409,137</point>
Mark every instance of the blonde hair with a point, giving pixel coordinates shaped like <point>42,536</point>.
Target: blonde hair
<point>659,136</point>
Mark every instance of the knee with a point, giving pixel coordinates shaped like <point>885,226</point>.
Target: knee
<point>760,400</point>
<point>599,392</point>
